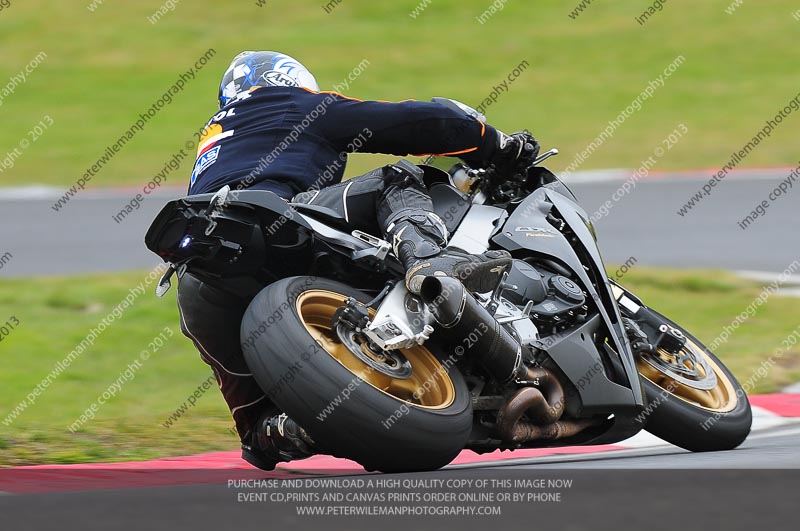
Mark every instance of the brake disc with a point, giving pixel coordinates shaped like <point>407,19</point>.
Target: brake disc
<point>685,368</point>
<point>391,363</point>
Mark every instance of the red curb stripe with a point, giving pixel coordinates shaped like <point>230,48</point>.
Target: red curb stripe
<point>784,405</point>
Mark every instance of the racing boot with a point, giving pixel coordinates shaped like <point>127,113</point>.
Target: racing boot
<point>420,251</point>
<point>276,439</point>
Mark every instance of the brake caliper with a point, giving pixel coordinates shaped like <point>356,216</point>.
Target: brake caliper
<point>353,315</point>
<point>638,339</point>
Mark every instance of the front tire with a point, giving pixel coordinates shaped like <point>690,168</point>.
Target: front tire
<point>351,409</point>
<point>698,420</point>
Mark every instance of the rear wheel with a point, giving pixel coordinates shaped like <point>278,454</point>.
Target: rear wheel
<point>694,400</point>
<point>409,410</point>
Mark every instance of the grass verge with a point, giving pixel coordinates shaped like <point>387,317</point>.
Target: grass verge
<point>106,66</point>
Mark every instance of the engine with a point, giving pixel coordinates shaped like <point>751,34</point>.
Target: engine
<point>555,300</point>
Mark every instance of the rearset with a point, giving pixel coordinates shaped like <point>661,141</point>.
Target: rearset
<point>401,321</point>
<point>379,250</point>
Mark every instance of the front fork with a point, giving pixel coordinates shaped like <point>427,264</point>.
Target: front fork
<point>635,314</point>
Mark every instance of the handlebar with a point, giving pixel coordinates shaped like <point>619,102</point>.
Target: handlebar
<point>494,185</point>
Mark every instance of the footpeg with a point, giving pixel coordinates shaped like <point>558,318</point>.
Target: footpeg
<point>379,250</point>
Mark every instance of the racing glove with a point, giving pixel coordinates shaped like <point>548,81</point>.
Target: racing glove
<point>515,152</point>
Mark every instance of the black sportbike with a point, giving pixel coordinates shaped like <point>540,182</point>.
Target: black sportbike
<point>557,355</point>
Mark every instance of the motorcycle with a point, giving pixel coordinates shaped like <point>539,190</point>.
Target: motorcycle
<point>557,355</point>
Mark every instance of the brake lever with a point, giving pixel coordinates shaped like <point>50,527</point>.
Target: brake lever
<point>544,156</point>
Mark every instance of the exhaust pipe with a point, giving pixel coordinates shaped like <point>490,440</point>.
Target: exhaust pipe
<point>544,401</point>
<point>544,413</point>
<point>525,431</point>
<point>459,315</point>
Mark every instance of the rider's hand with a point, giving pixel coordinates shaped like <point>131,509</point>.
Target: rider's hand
<point>515,152</point>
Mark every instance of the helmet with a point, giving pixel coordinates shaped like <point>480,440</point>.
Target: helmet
<point>263,69</point>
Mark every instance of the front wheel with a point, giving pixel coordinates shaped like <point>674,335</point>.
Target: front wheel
<point>408,411</point>
<point>693,400</point>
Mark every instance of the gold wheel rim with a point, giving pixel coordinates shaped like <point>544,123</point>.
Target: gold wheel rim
<point>720,399</point>
<point>429,386</point>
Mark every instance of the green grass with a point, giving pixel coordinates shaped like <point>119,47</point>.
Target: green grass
<point>106,67</point>
<point>55,314</point>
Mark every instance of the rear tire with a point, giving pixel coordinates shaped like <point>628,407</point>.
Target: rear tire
<point>307,372</point>
<point>716,420</point>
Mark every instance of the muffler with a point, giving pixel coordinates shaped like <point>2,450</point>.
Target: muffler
<point>460,316</point>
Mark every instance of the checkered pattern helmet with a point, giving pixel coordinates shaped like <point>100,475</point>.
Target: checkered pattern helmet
<point>263,69</point>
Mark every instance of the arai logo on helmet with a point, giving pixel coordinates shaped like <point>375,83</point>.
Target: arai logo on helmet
<point>295,71</point>
<point>284,63</point>
<point>278,79</point>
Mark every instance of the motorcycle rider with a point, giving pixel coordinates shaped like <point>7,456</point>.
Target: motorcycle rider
<point>277,131</point>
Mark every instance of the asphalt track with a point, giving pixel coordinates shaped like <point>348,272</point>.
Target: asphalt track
<point>666,488</point>
<point>645,224</point>
<point>83,237</point>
